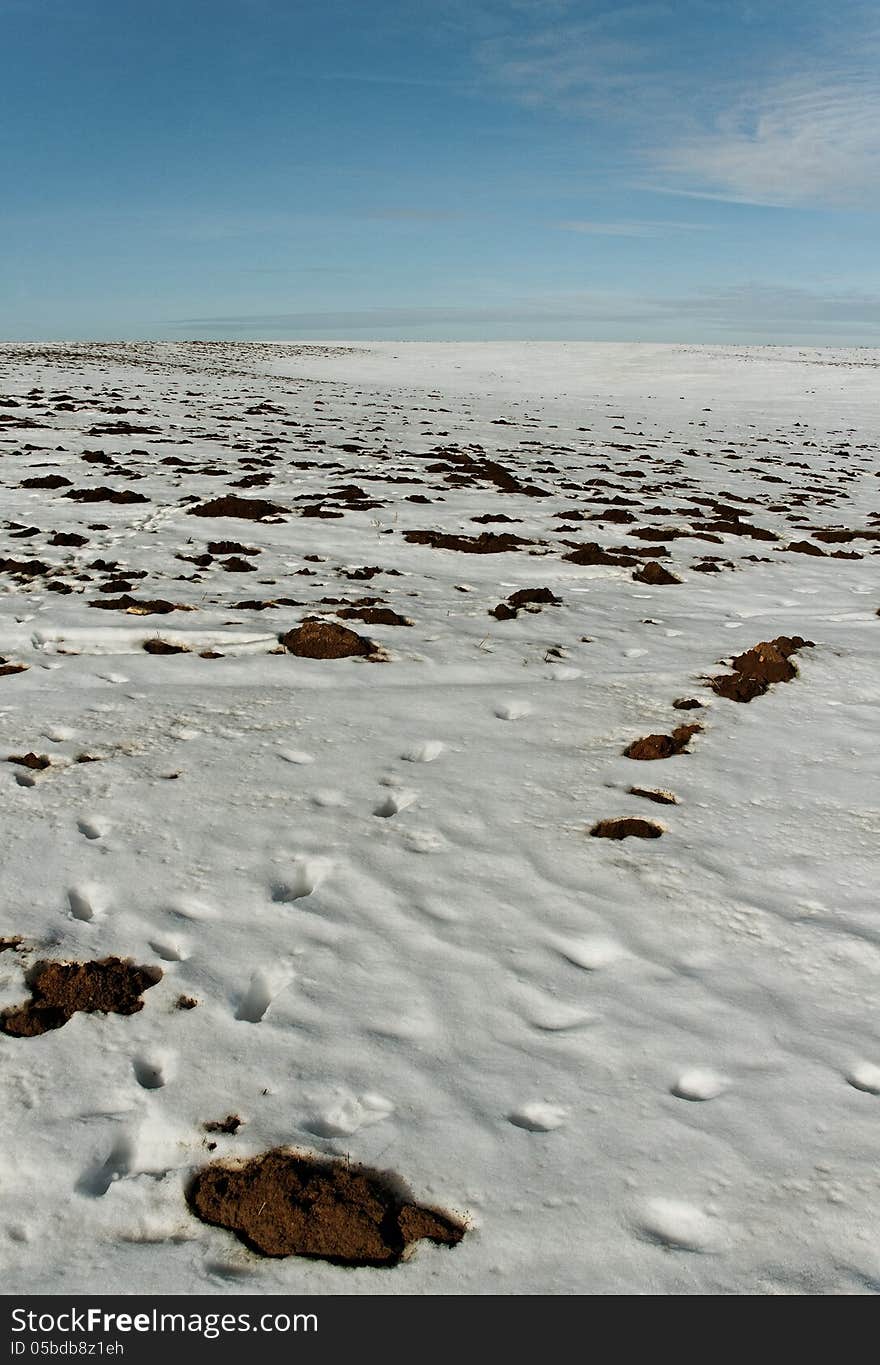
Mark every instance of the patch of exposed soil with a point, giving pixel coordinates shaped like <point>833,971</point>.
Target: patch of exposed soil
<point>105,495</point>
<point>230,1124</point>
<point>687,704</point>
<point>135,606</point>
<point>374,616</point>
<point>248,509</point>
<point>487,543</point>
<point>626,827</point>
<point>658,794</point>
<point>755,670</point>
<point>286,1203</point>
<point>164,647</point>
<point>30,760</point>
<point>59,990</point>
<point>532,599</point>
<point>662,746</point>
<point>326,640</point>
<point>654,574</point>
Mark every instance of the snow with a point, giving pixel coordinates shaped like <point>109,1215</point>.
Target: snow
<point>646,1066</point>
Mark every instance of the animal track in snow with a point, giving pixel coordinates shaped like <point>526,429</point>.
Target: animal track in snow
<point>97,1180</point>
<point>700,1083</point>
<point>92,827</point>
<point>262,990</point>
<point>425,752</point>
<point>538,1117</point>
<point>591,953</point>
<point>673,1223</point>
<point>513,710</point>
<point>394,803</point>
<point>865,1076</point>
<point>298,756</point>
<point>153,1070</point>
<point>85,901</point>
<point>348,1115</point>
<point>303,879</point>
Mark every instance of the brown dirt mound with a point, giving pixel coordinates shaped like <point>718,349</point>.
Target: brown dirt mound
<point>164,647</point>
<point>662,746</point>
<point>757,668</point>
<point>30,760</point>
<point>326,640</point>
<point>593,553</point>
<point>47,481</point>
<point>626,827</point>
<point>374,616</point>
<point>105,495</point>
<point>687,704</point>
<point>487,543</point>
<point>248,509</point>
<point>60,989</point>
<point>286,1203</point>
<point>655,574</point>
<point>663,798</point>
<point>6,669</point>
<point>135,606</point>
<point>533,598</point>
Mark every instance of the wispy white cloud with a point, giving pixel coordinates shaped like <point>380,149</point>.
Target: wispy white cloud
<point>805,142</point>
<point>789,116</point>
<point>634,228</point>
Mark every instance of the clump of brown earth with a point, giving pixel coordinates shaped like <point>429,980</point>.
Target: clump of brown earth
<point>532,599</point>
<point>135,606</point>
<point>626,827</point>
<point>487,543</point>
<point>30,760</point>
<point>164,647</point>
<point>248,509</point>
<point>326,640</point>
<point>654,574</point>
<point>286,1203</point>
<point>374,616</point>
<point>7,669</point>
<point>687,704</point>
<point>662,746</point>
<point>755,670</point>
<point>658,794</point>
<point>59,990</point>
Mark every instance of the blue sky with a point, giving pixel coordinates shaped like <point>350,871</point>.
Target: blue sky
<point>697,170</point>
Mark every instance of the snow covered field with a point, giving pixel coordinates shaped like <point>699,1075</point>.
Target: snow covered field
<point>644,1065</point>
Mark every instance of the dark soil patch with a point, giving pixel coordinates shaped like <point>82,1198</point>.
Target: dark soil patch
<point>759,667</point>
<point>8,945</point>
<point>626,827</point>
<point>533,599</point>
<point>374,616</point>
<point>662,746</point>
<point>7,669</point>
<point>47,481</point>
<point>230,1124</point>
<point>230,547</point>
<point>662,798</point>
<point>185,1002</point>
<point>29,760</point>
<point>487,543</point>
<point>326,640</point>
<point>687,704</point>
<point>59,990</point>
<point>105,495</point>
<point>287,1203</point>
<point>68,538</point>
<point>248,509</point>
<point>164,647</point>
<point>593,553</point>
<point>654,574</point>
<point>155,606</point>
